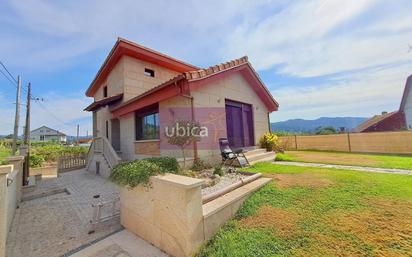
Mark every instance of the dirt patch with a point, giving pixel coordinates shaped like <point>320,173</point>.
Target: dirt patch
<point>282,221</point>
<point>387,226</point>
<point>333,158</point>
<point>303,180</point>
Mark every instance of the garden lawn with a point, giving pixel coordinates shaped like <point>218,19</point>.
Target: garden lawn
<point>356,159</point>
<point>310,211</point>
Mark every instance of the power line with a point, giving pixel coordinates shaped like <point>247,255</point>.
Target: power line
<point>4,66</point>
<point>12,82</point>
<point>40,104</point>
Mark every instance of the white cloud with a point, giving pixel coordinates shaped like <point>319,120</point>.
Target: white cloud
<point>315,38</point>
<point>359,94</point>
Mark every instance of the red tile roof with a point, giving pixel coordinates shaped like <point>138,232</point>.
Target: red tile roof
<point>373,121</point>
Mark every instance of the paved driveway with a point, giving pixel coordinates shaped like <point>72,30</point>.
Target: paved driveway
<point>55,224</point>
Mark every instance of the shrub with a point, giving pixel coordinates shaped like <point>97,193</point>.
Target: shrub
<point>167,164</point>
<point>218,171</point>
<point>134,173</point>
<point>36,160</point>
<point>270,142</point>
<point>283,157</point>
<point>139,171</point>
<point>199,165</point>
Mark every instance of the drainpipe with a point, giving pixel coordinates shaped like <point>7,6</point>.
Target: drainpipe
<point>270,129</point>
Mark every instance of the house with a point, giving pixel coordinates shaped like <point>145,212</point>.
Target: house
<point>387,121</point>
<point>140,94</point>
<point>393,121</point>
<point>406,103</point>
<point>46,134</point>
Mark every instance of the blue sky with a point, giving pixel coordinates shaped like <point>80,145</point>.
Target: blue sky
<point>318,58</point>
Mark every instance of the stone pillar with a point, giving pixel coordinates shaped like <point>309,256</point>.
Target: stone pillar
<point>4,170</point>
<point>168,214</point>
<point>17,162</point>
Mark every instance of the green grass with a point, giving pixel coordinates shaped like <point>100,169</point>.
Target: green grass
<point>358,214</point>
<point>4,152</point>
<point>356,159</point>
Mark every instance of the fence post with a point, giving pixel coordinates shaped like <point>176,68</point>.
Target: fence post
<point>349,145</point>
<point>296,142</point>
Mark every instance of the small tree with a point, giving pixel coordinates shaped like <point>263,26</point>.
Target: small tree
<point>183,133</point>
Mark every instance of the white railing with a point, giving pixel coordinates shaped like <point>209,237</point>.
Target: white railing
<point>102,145</point>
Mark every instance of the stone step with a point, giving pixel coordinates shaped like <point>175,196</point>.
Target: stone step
<point>254,152</point>
<point>270,158</point>
<point>238,194</point>
<point>260,156</point>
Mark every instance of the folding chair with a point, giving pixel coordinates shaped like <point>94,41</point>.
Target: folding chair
<point>230,157</point>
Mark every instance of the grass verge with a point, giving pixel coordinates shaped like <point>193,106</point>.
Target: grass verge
<point>356,159</point>
<point>354,214</point>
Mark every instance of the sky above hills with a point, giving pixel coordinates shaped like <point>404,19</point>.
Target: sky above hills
<point>318,58</point>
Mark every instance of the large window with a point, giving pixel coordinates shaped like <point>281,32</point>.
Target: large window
<point>147,123</point>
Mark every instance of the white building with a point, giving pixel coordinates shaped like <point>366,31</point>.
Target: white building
<point>406,104</point>
<point>46,134</point>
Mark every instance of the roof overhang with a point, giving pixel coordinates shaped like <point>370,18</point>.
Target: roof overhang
<point>125,47</point>
<point>406,91</point>
<point>101,103</point>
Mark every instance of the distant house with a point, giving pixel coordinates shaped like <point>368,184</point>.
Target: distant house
<point>46,134</point>
<point>387,121</point>
<point>406,104</point>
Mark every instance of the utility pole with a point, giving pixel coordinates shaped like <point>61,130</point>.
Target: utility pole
<point>78,129</point>
<point>27,137</point>
<point>16,118</point>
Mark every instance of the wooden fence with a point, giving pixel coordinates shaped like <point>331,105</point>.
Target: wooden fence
<point>72,162</point>
<point>375,142</point>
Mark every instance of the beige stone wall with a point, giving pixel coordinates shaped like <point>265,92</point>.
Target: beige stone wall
<point>235,88</point>
<point>103,115</point>
<point>168,214</point>
<point>165,109</point>
<point>127,137</point>
<point>376,142</point>
<point>10,196</point>
<point>135,82</point>
<point>114,81</point>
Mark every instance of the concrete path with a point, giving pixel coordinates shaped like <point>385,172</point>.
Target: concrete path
<point>347,167</point>
<point>121,244</point>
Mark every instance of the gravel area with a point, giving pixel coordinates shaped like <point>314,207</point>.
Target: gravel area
<point>223,182</point>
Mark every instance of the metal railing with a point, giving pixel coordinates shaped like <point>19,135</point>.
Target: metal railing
<point>104,211</point>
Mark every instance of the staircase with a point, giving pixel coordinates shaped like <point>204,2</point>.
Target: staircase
<point>259,155</point>
<point>102,152</point>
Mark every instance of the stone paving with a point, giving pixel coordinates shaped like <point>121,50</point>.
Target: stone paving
<point>121,244</point>
<point>347,167</point>
<point>55,224</point>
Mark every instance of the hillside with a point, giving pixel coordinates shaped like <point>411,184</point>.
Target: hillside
<point>301,125</point>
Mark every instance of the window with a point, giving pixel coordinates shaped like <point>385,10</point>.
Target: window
<point>41,138</point>
<point>105,91</point>
<point>149,72</point>
<point>147,123</point>
<point>107,129</point>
